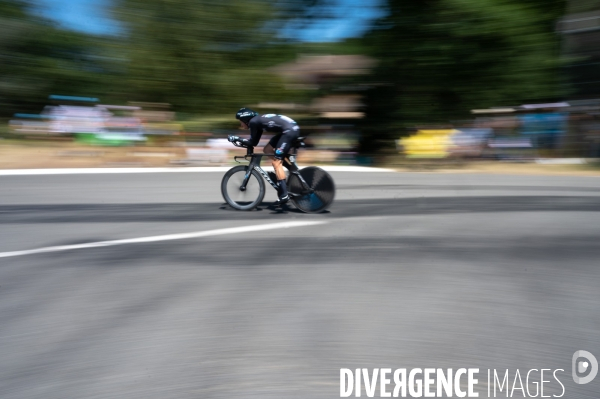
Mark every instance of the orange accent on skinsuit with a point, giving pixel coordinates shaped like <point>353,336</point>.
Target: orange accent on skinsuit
<point>278,166</point>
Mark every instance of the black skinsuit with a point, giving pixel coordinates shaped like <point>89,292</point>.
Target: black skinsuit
<point>286,128</point>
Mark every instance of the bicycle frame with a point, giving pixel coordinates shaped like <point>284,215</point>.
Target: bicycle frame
<point>290,159</point>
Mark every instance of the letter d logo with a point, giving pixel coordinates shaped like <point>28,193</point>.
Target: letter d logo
<point>582,367</point>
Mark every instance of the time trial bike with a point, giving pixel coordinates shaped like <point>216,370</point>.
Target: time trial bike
<point>311,189</point>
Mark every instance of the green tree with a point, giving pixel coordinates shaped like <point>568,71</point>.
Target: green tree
<point>199,55</point>
<point>38,59</point>
<point>442,58</point>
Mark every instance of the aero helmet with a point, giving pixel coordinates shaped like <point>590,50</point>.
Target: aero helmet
<point>245,114</point>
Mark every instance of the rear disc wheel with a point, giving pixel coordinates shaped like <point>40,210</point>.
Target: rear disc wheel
<point>321,193</point>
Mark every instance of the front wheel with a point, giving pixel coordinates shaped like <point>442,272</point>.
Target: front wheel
<point>319,194</point>
<point>237,197</point>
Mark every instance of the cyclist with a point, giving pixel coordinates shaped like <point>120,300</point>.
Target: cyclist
<point>286,129</point>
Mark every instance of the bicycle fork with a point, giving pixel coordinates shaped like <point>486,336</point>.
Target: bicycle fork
<point>249,170</point>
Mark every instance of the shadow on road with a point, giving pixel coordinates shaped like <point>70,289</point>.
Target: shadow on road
<point>186,212</point>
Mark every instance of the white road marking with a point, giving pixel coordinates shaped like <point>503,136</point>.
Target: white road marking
<point>80,171</point>
<point>168,237</point>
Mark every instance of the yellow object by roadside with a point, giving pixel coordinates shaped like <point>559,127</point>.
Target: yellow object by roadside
<point>427,143</point>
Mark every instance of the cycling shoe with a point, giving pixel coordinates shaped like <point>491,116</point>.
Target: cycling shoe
<point>282,200</point>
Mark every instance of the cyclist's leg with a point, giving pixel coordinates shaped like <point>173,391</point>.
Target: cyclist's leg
<point>273,144</point>
<point>283,146</point>
<point>270,149</point>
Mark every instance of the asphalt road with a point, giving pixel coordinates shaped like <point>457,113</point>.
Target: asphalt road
<point>407,270</point>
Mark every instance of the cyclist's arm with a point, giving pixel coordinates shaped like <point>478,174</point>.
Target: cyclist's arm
<point>256,132</point>
<point>240,142</point>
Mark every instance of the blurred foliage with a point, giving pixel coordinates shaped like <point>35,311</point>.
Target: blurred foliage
<point>202,56</point>
<point>442,58</point>
<point>38,59</point>
<point>437,59</point>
